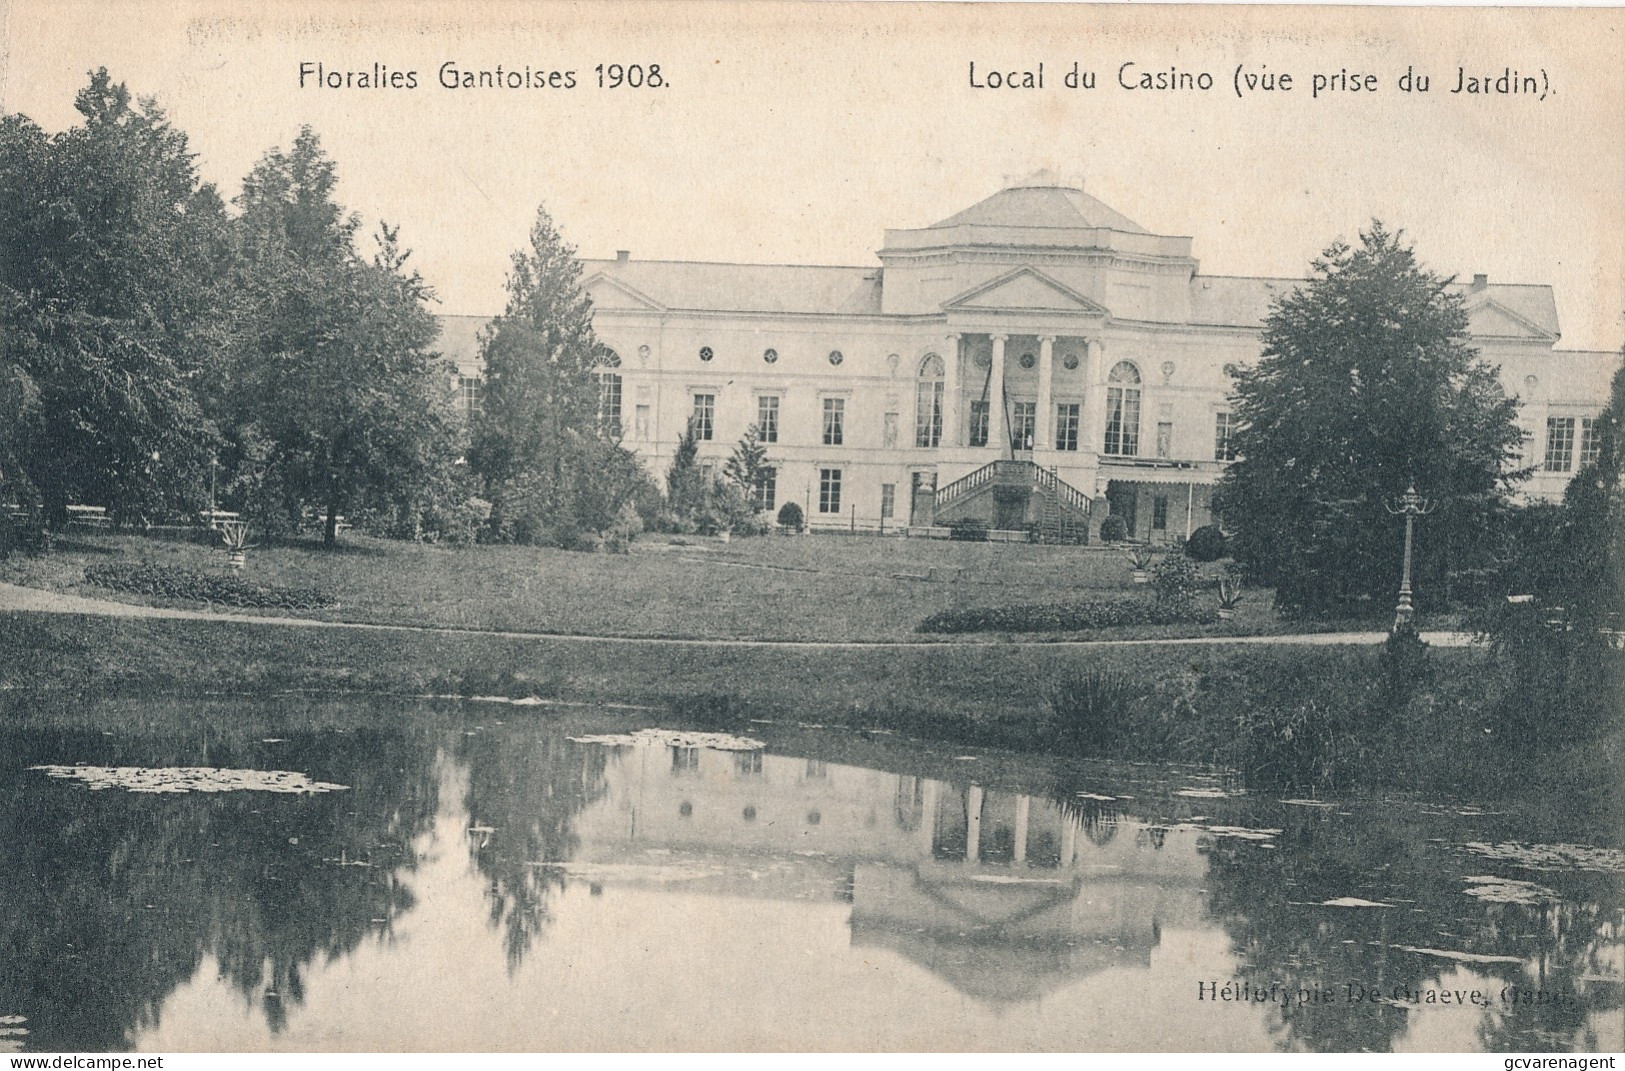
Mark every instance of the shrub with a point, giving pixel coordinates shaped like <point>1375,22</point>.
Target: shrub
<point>1113,529</point>
<point>968,529</point>
<point>1090,712</point>
<point>1206,544</point>
<point>1176,582</point>
<point>790,517</point>
<point>1061,617</point>
<point>168,582</point>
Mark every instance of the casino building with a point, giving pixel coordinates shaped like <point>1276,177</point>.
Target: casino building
<point>1037,361</point>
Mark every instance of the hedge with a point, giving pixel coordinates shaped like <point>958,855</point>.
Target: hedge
<point>171,583</point>
<point>1062,617</point>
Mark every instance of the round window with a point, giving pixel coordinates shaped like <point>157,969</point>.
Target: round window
<point>1028,360</point>
<point>705,353</point>
<point>770,356</point>
<point>983,360</point>
<point>1070,362</point>
<point>835,357</point>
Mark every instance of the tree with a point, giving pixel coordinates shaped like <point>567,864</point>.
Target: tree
<point>747,467</point>
<point>1366,385</point>
<point>553,472</point>
<point>111,299</point>
<point>336,398</point>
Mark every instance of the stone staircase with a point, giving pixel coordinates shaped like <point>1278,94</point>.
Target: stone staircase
<point>1063,510</point>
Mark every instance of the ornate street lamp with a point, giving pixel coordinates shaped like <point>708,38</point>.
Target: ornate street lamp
<point>1410,505</point>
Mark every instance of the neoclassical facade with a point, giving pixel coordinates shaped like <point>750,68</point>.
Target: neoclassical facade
<point>1037,360</point>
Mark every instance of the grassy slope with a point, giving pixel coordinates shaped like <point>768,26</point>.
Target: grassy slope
<point>813,588</point>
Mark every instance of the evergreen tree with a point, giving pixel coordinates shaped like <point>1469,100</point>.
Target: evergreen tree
<point>1366,385</point>
<point>748,464</point>
<point>552,472</point>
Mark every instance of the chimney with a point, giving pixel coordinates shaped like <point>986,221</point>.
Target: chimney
<point>624,255</point>
<point>1480,282</point>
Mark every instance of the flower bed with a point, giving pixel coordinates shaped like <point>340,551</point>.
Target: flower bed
<point>1062,617</point>
<point>168,582</point>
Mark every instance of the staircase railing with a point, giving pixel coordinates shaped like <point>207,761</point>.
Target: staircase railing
<point>966,484</point>
<point>1007,473</point>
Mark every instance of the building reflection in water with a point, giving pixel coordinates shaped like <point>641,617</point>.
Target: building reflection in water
<point>1004,895</point>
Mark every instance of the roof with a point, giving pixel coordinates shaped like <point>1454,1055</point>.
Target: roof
<point>459,340</point>
<point>1063,207</point>
<point>775,288</point>
<point>1245,302</point>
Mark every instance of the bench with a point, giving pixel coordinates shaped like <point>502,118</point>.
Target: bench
<point>88,516</point>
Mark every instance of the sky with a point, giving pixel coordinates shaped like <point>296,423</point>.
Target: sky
<point>797,133</point>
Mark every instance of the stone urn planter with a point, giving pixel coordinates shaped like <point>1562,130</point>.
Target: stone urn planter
<point>234,537</point>
<point>1140,558</point>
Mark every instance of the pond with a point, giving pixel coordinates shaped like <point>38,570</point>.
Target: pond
<point>299,874</point>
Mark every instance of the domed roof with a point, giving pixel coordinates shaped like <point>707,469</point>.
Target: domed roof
<point>1042,201</point>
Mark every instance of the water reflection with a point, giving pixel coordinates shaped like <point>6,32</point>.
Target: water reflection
<point>489,885</point>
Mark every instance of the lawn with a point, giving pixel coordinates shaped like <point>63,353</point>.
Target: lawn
<point>793,588</point>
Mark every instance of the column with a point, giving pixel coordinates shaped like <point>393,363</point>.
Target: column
<point>1044,436</point>
<point>928,819</point>
<point>997,437</point>
<point>1023,809</point>
<point>950,393</point>
<point>1069,840</point>
<point>1094,399</point>
<point>973,823</point>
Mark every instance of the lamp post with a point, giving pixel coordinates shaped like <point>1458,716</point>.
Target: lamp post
<point>1410,505</point>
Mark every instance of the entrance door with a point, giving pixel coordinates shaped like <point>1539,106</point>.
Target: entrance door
<point>1120,498</point>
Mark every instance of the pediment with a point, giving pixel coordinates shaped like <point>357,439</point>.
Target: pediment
<point>608,292</point>
<point>1491,319</point>
<point>1025,289</point>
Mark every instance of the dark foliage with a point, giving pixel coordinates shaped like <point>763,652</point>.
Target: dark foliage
<point>790,516</point>
<point>1113,529</point>
<point>1206,544</point>
<point>224,589</point>
<point>1062,617</point>
<point>968,530</point>
<point>1090,713</point>
<point>1366,386</point>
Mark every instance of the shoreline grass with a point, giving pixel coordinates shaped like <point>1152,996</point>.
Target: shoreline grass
<point>1185,704</point>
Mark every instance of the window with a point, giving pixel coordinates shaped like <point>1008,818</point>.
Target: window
<point>1159,513</point>
<point>978,423</point>
<point>1123,410</point>
<point>835,357</point>
<point>888,430</point>
<point>829,490</point>
<point>1590,441</point>
<point>888,501</point>
<point>1066,426</point>
<point>684,760</point>
<point>605,361</point>
<point>767,490</point>
<point>928,403</point>
<point>834,421</point>
<point>706,353</point>
<point>640,422</point>
<point>1559,444</point>
<point>1025,428</point>
<point>703,421</point>
<point>1165,439</point>
<point>609,402</point>
<point>1224,428</point>
<point>469,394</point>
<point>748,763</point>
<point>767,417</point>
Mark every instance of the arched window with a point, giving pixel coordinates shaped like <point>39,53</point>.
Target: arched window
<point>928,402</point>
<point>1123,410</point>
<point>605,361</point>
